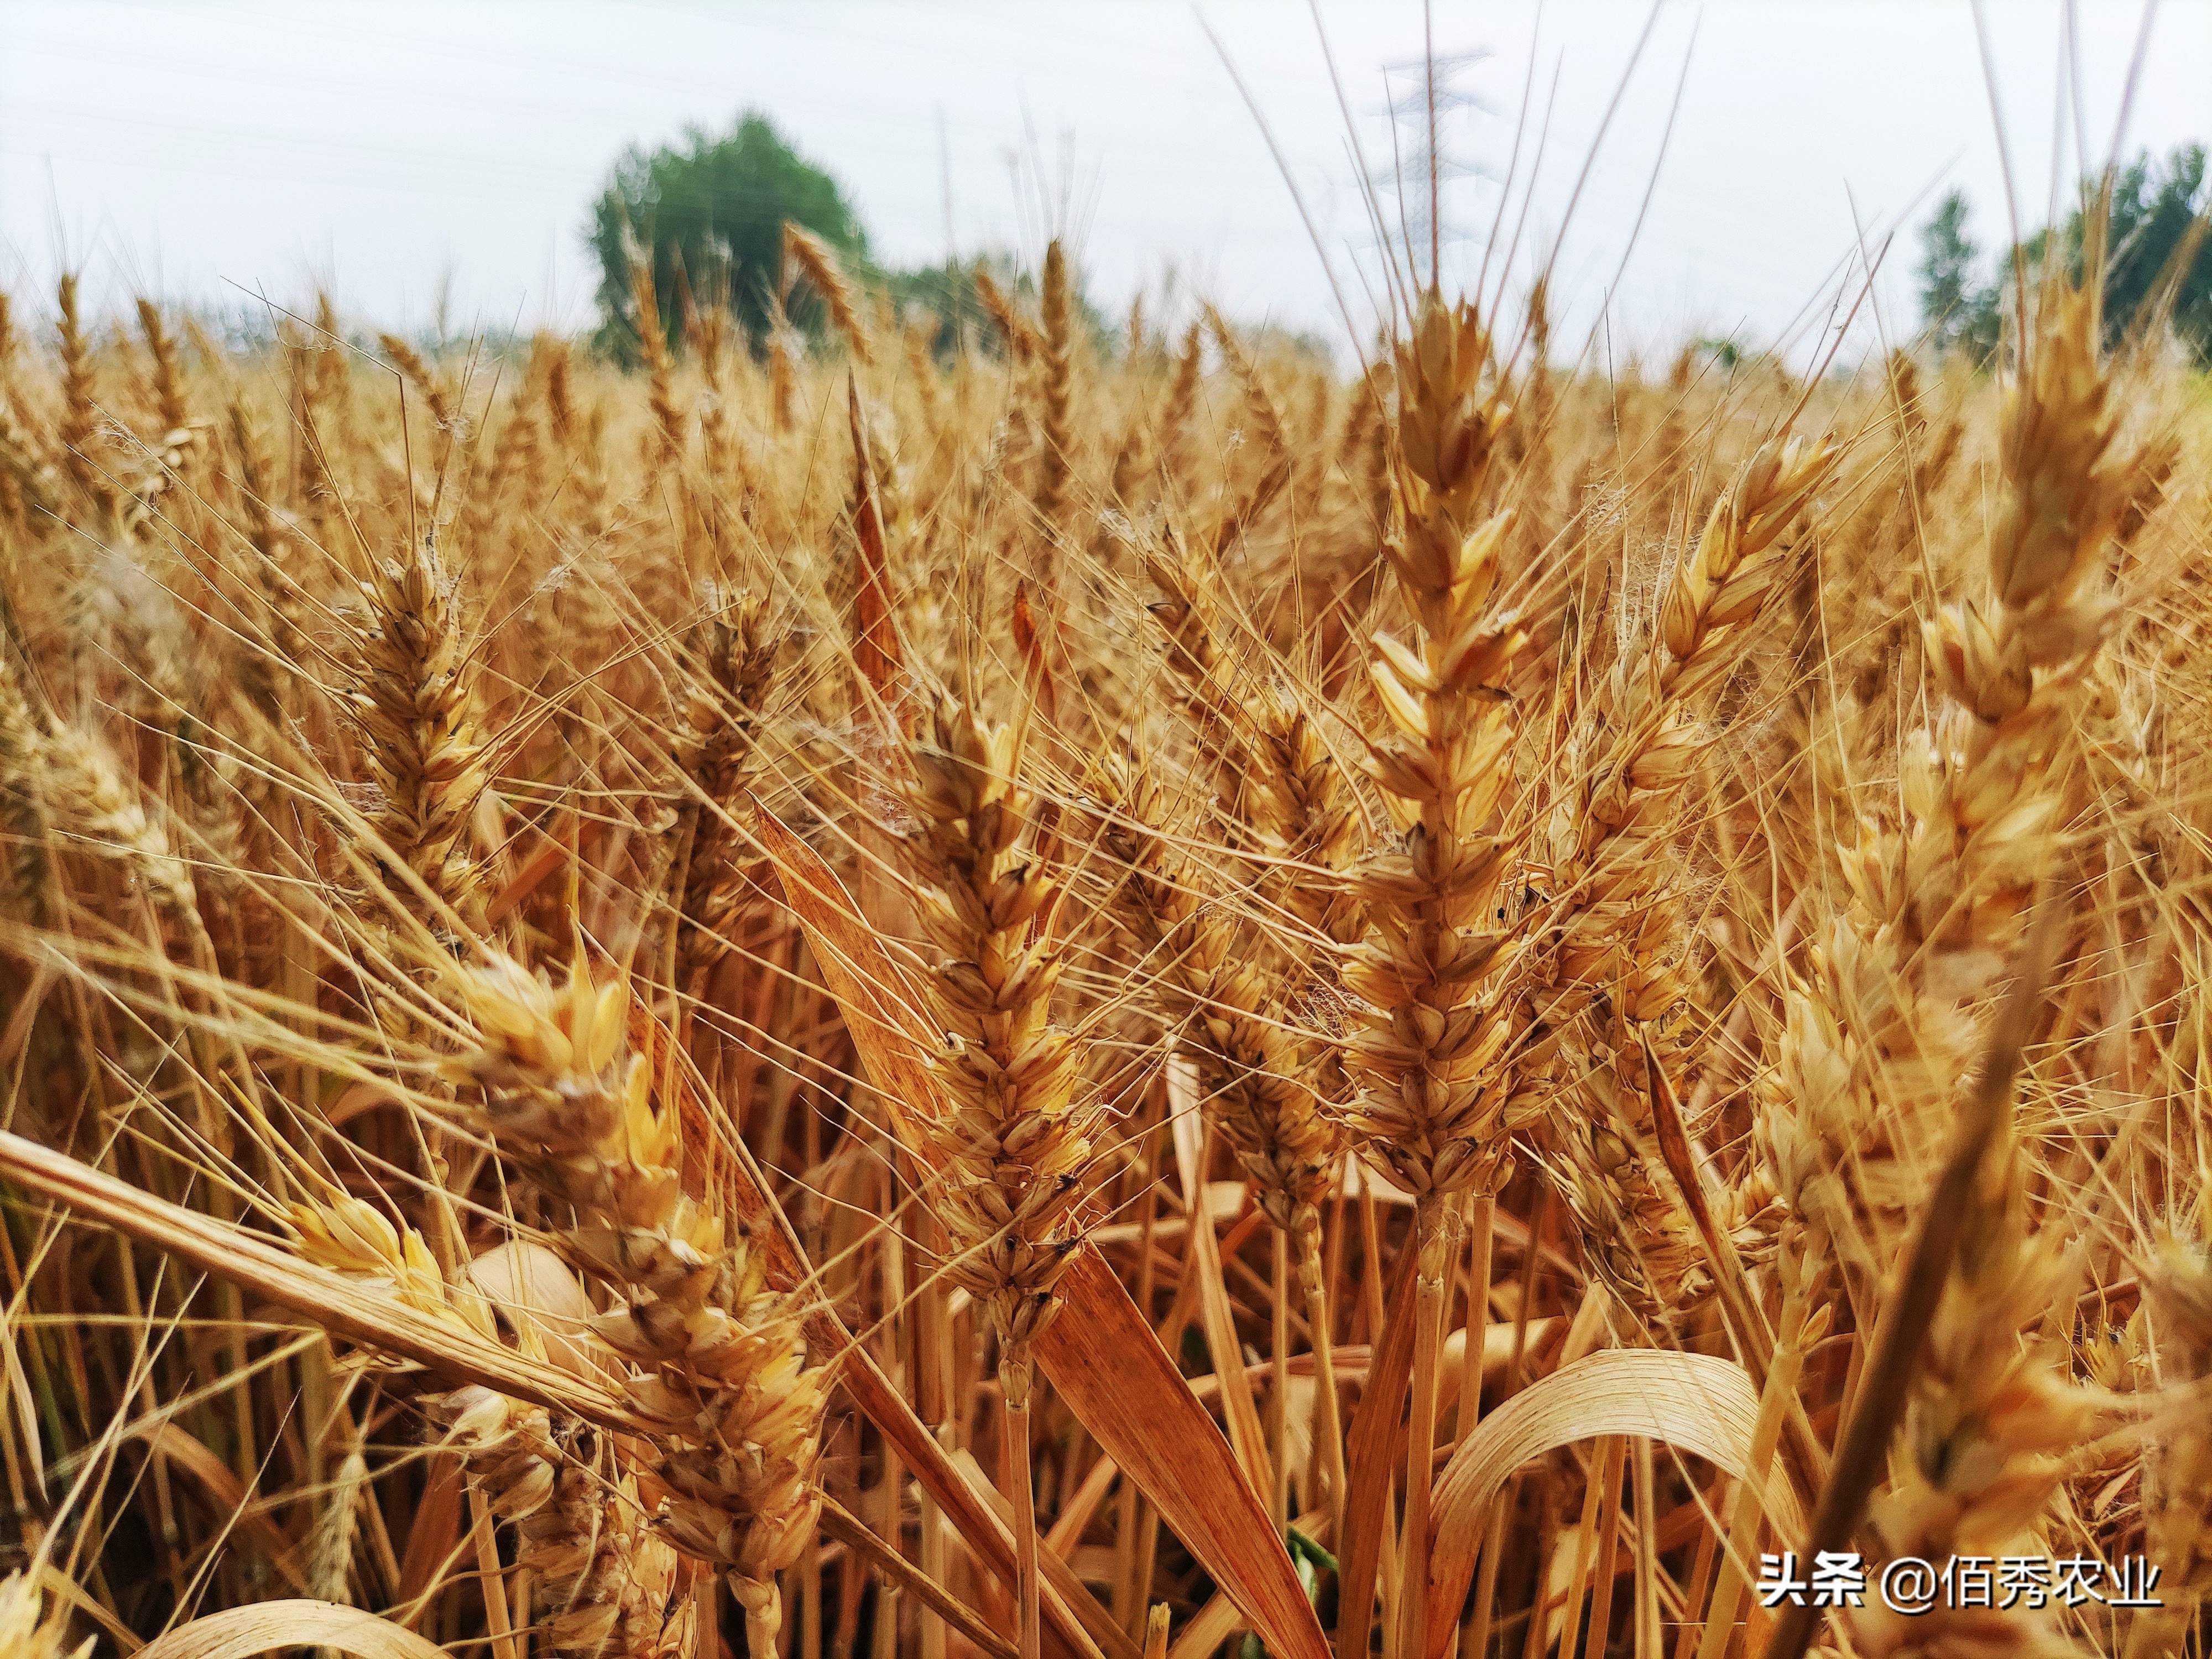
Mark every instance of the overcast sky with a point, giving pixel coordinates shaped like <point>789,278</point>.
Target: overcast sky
<point>196,150</point>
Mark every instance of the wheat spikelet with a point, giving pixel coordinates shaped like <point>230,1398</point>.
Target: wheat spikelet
<point>512,458</point>
<point>1265,1090</point>
<point>1306,823</point>
<point>560,413</point>
<point>785,354</point>
<point>1278,788</point>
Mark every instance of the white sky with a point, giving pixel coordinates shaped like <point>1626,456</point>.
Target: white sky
<point>182,149</point>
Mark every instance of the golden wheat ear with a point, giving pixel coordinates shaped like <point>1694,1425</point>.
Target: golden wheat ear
<point>722,1373</point>
<point>807,255</point>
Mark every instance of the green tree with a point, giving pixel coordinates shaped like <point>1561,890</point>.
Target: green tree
<point>1957,310</point>
<point>2158,248</point>
<point>2157,266</point>
<point>715,207</point>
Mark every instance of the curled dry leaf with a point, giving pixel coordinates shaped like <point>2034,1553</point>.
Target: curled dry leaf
<point>1697,1403</point>
<point>265,1627</point>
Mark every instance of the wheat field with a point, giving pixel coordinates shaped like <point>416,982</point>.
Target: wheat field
<point>1106,996</point>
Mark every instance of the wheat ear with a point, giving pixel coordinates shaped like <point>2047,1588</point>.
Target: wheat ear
<point>1013,1151</point>
<point>1056,386</point>
<point>1429,1100</point>
<point>1612,959</point>
<point>417,371</point>
<point>1890,1023</point>
<point>80,410</point>
<point>415,711</point>
<point>665,447</point>
<point>2177,1478</point>
<point>726,1378</point>
<point>1260,1080</point>
<point>543,1474</point>
<point>1023,342</point>
<point>806,254</point>
<point>726,678</point>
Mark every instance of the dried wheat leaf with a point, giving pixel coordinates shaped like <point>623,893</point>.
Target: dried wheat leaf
<point>330,1301</point>
<point>841,1525</point>
<point>433,1533</point>
<point>1697,1403</point>
<point>227,1496</point>
<point>877,998</point>
<point>1113,1374</point>
<point>1206,1633</point>
<point>265,1627</point>
<point>26,1403</point>
<point>1375,1451</point>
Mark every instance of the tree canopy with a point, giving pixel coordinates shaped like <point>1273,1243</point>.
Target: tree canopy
<point>710,214</point>
<point>716,208</point>
<point>2157,257</point>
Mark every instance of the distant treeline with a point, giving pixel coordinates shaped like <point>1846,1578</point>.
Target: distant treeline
<point>2158,266</point>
